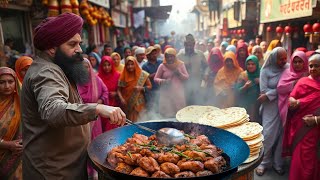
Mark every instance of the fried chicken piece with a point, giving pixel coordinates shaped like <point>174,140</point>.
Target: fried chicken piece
<point>149,164</point>
<point>132,160</point>
<point>182,147</point>
<point>148,153</point>
<point>114,158</point>
<point>169,168</point>
<point>200,140</point>
<point>160,174</point>
<point>139,172</point>
<point>204,173</point>
<point>124,168</point>
<point>185,174</point>
<point>199,156</point>
<point>132,148</point>
<point>215,164</point>
<point>193,166</point>
<point>168,157</point>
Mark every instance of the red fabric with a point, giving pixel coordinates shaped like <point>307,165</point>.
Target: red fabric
<point>242,61</point>
<point>54,31</point>
<point>302,49</point>
<point>307,91</point>
<point>111,81</point>
<point>215,66</point>
<point>304,163</point>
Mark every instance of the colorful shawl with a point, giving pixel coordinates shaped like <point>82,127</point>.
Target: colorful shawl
<point>242,60</point>
<point>286,83</point>
<point>21,63</point>
<point>128,80</point>
<point>10,127</point>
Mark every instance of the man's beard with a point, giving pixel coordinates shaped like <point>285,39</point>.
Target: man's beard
<point>72,67</point>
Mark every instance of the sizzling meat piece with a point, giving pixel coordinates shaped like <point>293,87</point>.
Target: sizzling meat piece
<point>200,140</point>
<point>132,159</point>
<point>169,168</point>
<point>185,174</point>
<point>168,157</point>
<point>193,166</point>
<point>148,153</point>
<point>124,168</point>
<point>149,164</point>
<point>200,156</point>
<point>139,172</point>
<point>215,164</point>
<point>160,174</point>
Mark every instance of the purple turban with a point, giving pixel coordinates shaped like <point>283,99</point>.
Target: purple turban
<point>54,31</point>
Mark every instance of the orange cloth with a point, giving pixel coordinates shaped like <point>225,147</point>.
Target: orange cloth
<point>21,63</point>
<point>273,44</point>
<point>128,81</point>
<point>176,63</point>
<point>225,80</point>
<point>10,119</point>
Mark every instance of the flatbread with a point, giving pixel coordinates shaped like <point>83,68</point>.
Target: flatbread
<point>193,113</point>
<point>251,158</point>
<point>224,117</point>
<point>247,131</point>
<point>238,123</point>
<point>260,138</point>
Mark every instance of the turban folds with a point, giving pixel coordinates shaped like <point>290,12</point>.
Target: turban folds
<point>54,31</point>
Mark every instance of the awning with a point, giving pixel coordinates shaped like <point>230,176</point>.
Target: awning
<point>155,12</point>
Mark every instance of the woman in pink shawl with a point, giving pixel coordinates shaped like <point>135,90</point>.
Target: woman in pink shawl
<point>298,69</point>
<point>242,54</point>
<point>93,92</point>
<point>302,131</point>
<point>110,78</point>
<point>215,63</point>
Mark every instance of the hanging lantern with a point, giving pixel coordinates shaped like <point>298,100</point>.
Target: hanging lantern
<point>279,29</point>
<point>243,31</point>
<point>316,29</point>
<point>66,6</point>
<point>239,31</point>
<point>269,29</point>
<point>307,29</point>
<point>53,8</point>
<point>288,30</point>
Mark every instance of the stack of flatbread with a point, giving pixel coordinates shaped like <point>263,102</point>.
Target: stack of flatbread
<point>213,116</point>
<point>251,133</point>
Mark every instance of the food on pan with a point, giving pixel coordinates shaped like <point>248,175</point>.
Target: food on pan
<point>144,156</point>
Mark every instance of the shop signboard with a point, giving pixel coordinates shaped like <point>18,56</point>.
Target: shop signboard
<point>278,10</point>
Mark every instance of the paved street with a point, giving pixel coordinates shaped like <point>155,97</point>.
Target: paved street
<point>270,174</point>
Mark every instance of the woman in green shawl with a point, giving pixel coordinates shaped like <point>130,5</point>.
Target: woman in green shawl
<point>248,88</point>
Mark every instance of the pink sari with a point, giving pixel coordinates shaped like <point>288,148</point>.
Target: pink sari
<point>304,163</point>
<point>287,82</point>
<point>91,93</point>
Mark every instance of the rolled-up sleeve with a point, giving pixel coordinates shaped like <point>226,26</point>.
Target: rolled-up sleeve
<point>51,91</point>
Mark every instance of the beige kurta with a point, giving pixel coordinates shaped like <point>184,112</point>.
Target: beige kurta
<point>55,129</point>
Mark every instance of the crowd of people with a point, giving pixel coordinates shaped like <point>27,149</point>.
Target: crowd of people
<point>151,82</point>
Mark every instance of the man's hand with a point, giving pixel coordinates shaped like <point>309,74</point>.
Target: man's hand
<point>14,146</point>
<point>116,115</point>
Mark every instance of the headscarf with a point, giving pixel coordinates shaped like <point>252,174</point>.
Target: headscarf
<point>21,63</point>
<point>89,91</point>
<point>166,47</point>
<point>232,48</point>
<point>242,60</point>
<point>110,79</point>
<point>271,62</point>
<point>256,74</point>
<point>176,63</point>
<point>121,66</point>
<point>215,66</point>
<point>128,76</point>
<point>302,49</point>
<point>273,44</point>
<point>54,31</point>
<point>309,53</point>
<point>234,42</point>
<point>10,118</point>
<point>285,85</point>
<point>224,43</point>
<point>258,48</point>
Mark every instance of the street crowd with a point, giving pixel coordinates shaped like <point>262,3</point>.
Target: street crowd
<point>54,103</point>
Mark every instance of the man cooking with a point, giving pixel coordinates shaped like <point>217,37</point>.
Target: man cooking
<point>54,120</point>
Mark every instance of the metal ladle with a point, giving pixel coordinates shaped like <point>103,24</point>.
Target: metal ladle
<point>166,136</point>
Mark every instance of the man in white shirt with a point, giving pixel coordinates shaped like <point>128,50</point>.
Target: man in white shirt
<point>140,54</point>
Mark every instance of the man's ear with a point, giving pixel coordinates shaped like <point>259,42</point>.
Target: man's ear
<point>52,51</point>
